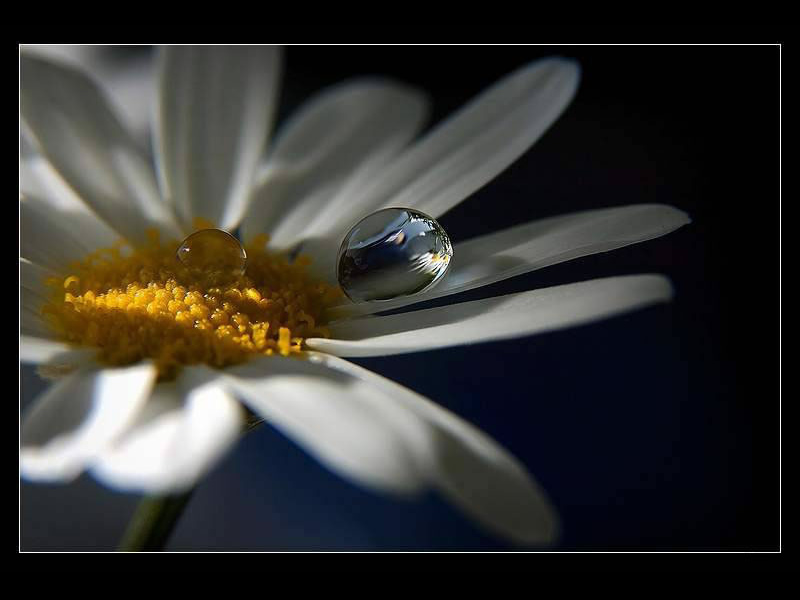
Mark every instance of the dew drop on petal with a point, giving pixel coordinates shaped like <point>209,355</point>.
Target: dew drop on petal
<point>213,253</point>
<point>391,253</point>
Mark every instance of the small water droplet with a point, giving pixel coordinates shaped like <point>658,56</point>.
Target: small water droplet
<point>213,254</point>
<point>391,253</point>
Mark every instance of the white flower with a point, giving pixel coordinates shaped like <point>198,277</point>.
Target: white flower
<point>344,154</point>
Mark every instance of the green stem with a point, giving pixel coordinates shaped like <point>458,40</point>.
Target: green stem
<point>153,522</point>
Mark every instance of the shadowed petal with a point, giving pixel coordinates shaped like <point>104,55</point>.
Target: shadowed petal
<point>467,466</point>
<point>32,323</point>
<point>80,135</point>
<point>385,437</point>
<point>54,238</point>
<point>41,182</point>
<point>127,78</point>
<point>339,420</point>
<point>34,296</point>
<point>502,317</point>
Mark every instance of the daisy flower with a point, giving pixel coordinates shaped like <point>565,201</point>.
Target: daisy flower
<point>159,367</point>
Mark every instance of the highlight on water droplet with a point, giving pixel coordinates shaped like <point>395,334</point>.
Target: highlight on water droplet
<point>391,253</point>
<point>213,254</point>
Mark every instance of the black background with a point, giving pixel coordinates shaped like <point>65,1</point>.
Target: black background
<point>654,430</point>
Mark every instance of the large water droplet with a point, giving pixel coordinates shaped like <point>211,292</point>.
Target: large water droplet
<point>392,252</point>
<point>213,254</point>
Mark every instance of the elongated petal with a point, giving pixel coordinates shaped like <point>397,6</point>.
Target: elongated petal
<point>468,467</point>
<point>37,350</point>
<point>473,146</point>
<point>77,418</point>
<point>82,138</point>
<point>38,178</point>
<point>215,111</point>
<point>44,238</point>
<point>335,143</point>
<point>34,295</point>
<point>503,317</point>
<point>498,256</point>
<point>127,78</point>
<point>341,421</point>
<point>181,438</point>
<point>41,182</point>
<point>32,278</point>
<point>32,322</point>
<point>54,238</point>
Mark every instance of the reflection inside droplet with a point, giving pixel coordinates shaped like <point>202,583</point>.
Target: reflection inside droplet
<point>213,254</point>
<point>392,252</point>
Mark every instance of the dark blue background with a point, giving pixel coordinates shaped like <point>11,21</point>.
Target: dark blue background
<point>654,430</point>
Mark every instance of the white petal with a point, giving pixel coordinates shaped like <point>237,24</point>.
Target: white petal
<point>215,111</point>
<point>32,323</point>
<point>467,466</point>
<point>336,142</point>
<point>39,180</point>
<point>128,79</point>
<point>133,87</point>
<point>490,258</point>
<point>32,278</point>
<point>44,240</point>
<point>35,349</point>
<point>77,418</point>
<point>473,146</point>
<point>503,317</point>
<point>341,421</point>
<point>171,448</point>
<point>34,296</point>
<point>78,132</point>
<point>53,238</point>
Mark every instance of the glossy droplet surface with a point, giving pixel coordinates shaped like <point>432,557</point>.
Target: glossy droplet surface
<point>391,253</point>
<point>213,254</point>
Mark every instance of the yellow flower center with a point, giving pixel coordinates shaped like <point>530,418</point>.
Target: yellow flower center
<point>136,303</point>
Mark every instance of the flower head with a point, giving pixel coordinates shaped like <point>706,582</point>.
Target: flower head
<point>156,360</point>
